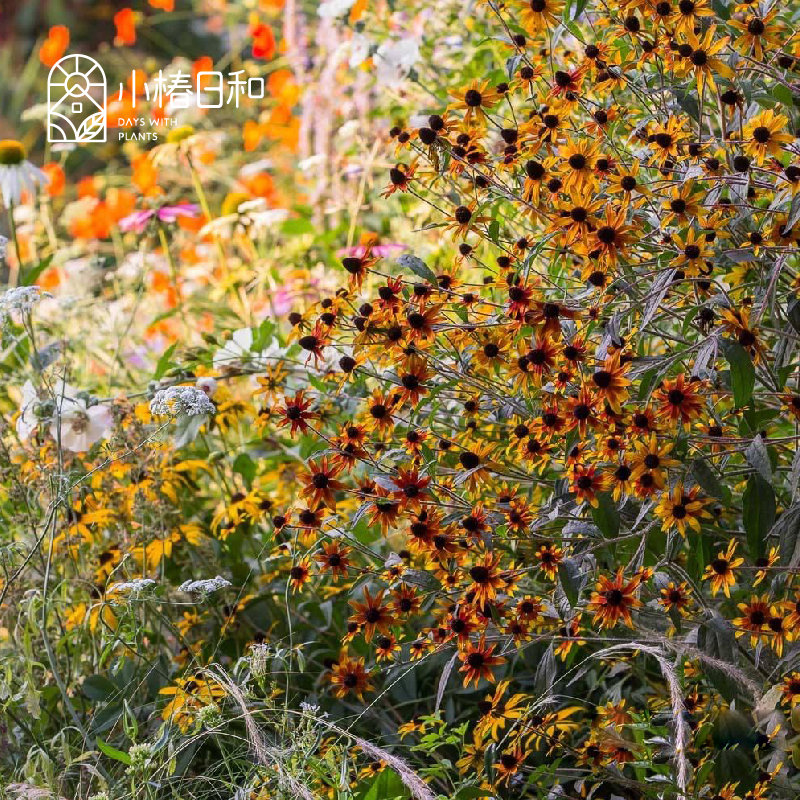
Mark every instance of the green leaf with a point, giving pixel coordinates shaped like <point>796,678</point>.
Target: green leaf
<point>107,717</point>
<point>758,514</point>
<point>418,267</point>
<point>512,64</point>
<point>29,276</point>
<point>787,529</point>
<point>782,94</point>
<point>494,231</point>
<point>164,362</point>
<point>570,578</point>
<point>734,765</point>
<point>577,8</point>
<point>699,554</point>
<point>734,737</point>
<point>721,9</point>
<point>98,687</point>
<point>794,213</point>
<point>297,227</point>
<point>743,373</point>
<point>716,638</point>
<point>245,466</point>
<point>687,101</point>
<point>546,671</point>
<point>606,516</point>
<point>794,313</point>
<point>385,786</point>
<point>708,481</point>
<point>262,336</point>
<point>757,457</point>
<point>470,792</point>
<point>112,752</point>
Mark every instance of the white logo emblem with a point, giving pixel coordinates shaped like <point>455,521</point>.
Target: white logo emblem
<point>76,101</point>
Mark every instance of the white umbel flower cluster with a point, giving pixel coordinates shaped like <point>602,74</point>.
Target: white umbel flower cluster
<point>204,586</point>
<point>19,300</point>
<point>181,401</point>
<point>312,710</point>
<point>136,586</point>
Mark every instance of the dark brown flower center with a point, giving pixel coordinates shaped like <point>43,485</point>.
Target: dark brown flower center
<point>473,98</point>
<point>475,660</point>
<point>676,397</point>
<point>479,574</point>
<point>761,134</point>
<point>613,597</point>
<point>602,379</point>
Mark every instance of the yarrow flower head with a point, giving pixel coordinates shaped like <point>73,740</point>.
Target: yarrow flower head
<point>204,585</point>
<point>312,709</point>
<point>141,756</point>
<point>134,587</point>
<point>209,716</point>
<point>21,299</point>
<point>179,401</point>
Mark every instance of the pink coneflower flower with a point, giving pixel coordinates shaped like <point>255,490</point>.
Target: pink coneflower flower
<point>380,250</point>
<point>139,219</point>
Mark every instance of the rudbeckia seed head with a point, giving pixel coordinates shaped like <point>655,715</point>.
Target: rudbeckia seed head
<point>12,152</point>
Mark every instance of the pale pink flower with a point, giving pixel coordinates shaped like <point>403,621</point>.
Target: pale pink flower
<point>381,250</point>
<point>139,219</point>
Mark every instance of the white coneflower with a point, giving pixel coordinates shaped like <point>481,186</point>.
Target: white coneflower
<point>180,401</point>
<point>17,174</point>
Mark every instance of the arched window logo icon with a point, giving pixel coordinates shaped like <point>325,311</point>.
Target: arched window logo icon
<point>76,101</point>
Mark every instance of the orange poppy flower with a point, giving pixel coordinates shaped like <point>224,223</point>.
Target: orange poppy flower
<point>55,45</point>
<point>125,22</point>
